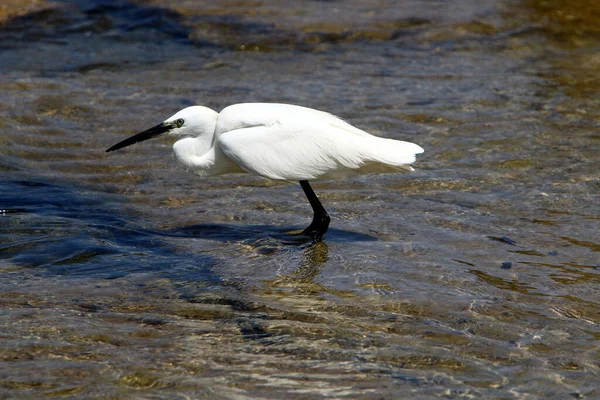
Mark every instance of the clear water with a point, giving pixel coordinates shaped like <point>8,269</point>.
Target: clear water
<point>478,275</point>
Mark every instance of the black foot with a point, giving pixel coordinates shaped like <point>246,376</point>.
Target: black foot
<point>320,222</point>
<point>317,227</point>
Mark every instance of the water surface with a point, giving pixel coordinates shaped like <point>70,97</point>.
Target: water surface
<point>477,275</point>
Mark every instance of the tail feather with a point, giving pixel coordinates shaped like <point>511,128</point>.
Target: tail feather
<point>394,152</point>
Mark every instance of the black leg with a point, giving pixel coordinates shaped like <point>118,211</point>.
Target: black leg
<point>320,222</point>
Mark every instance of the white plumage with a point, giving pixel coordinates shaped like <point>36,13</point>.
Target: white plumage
<point>278,141</point>
<point>285,142</point>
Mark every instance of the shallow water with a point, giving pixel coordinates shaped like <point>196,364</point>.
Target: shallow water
<point>477,275</point>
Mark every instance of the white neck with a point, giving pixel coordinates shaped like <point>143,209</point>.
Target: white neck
<point>202,155</point>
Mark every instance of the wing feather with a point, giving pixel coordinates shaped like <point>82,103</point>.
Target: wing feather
<point>306,144</point>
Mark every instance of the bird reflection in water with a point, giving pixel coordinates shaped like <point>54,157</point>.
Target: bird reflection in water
<point>302,278</point>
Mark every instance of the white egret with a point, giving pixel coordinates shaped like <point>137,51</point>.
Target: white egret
<point>278,141</point>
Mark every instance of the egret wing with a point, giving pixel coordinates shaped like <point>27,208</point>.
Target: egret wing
<point>301,149</point>
<point>270,152</point>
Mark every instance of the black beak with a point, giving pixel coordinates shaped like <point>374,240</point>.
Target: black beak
<point>140,137</point>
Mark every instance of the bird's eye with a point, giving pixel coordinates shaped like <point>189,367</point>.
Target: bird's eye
<point>179,122</point>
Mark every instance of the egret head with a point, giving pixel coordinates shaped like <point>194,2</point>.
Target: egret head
<point>191,121</point>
